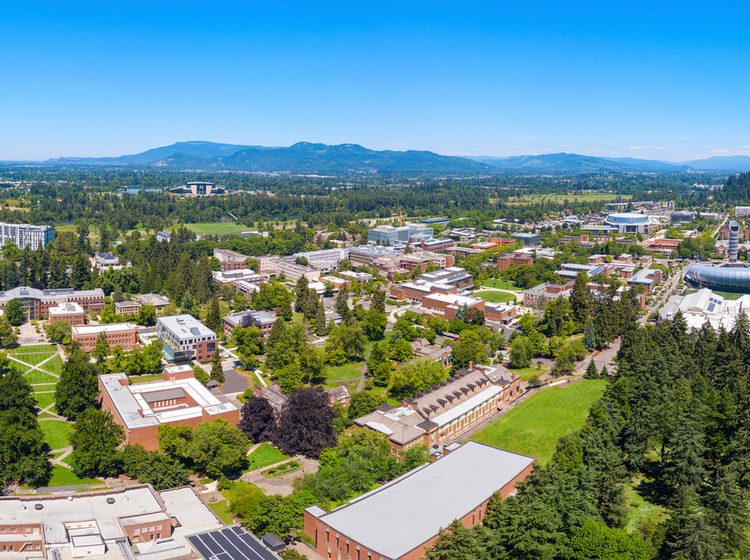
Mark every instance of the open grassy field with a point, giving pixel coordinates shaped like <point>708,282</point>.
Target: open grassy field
<point>65,477</point>
<point>535,425</point>
<point>348,373</point>
<point>43,400</point>
<point>56,433</point>
<point>641,512</point>
<point>264,456</point>
<point>42,380</point>
<point>494,297</point>
<point>561,198</point>
<point>502,284</point>
<point>217,228</point>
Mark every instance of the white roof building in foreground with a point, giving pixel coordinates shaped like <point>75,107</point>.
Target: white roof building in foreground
<point>116,524</point>
<point>705,305</point>
<point>408,513</point>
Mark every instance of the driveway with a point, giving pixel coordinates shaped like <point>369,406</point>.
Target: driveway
<point>234,382</point>
<point>281,485</point>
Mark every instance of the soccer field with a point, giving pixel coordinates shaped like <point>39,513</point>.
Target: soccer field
<point>535,426</point>
<point>217,228</point>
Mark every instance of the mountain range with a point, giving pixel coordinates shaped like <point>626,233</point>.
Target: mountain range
<point>342,159</point>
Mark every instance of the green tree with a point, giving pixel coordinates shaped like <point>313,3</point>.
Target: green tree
<point>95,439</point>
<point>373,324</point>
<point>101,350</point>
<point>379,365</point>
<point>401,350</point>
<point>77,389</point>
<point>157,469</point>
<point>14,312</point>
<point>595,541</point>
<point>218,449</point>
<point>521,352</point>
<point>217,370</point>
<point>416,376</point>
<point>580,301</point>
<point>213,315</point>
<point>469,349</point>
<point>345,343</point>
<point>363,403</point>
<point>458,543</point>
<point>8,337</point>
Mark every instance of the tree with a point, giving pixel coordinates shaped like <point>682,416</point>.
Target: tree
<point>416,376</point>
<point>591,371</point>
<point>8,337</point>
<point>218,449</point>
<point>306,423</point>
<point>217,370</point>
<point>589,336</point>
<point>213,315</point>
<point>379,365</point>
<point>378,301</point>
<point>101,350</point>
<point>342,303</point>
<point>117,294</point>
<point>458,543</point>
<point>345,343</point>
<point>14,312</point>
<point>595,541</point>
<point>373,324</point>
<point>469,349</point>
<point>258,420</point>
<point>77,389</point>
<point>521,352</point>
<point>156,469</point>
<point>321,328</point>
<point>363,403</point>
<point>146,316</point>
<point>401,350</point>
<point>249,343</point>
<point>300,293</point>
<point>580,301</point>
<point>95,439</point>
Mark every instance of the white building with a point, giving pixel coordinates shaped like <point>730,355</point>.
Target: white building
<point>26,235</point>
<point>705,305</point>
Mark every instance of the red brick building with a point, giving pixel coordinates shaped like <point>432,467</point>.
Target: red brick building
<point>402,519</point>
<point>69,312</point>
<point>118,334</point>
<point>230,260</point>
<point>37,303</point>
<point>179,399</point>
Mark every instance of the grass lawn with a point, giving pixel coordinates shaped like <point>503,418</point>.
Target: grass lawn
<point>65,477</point>
<point>730,295</point>
<point>494,297</point>
<point>336,375</point>
<point>54,365</point>
<point>56,433</point>
<point>35,377</point>
<point>528,372</point>
<point>640,511</point>
<point>535,425</point>
<point>221,510</point>
<point>217,228</point>
<point>502,284</point>
<point>32,358</point>
<point>43,400</point>
<point>264,456</point>
<point>48,348</point>
<point>147,378</point>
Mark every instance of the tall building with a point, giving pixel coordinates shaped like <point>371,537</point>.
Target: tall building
<point>734,240</point>
<point>26,235</point>
<point>198,188</point>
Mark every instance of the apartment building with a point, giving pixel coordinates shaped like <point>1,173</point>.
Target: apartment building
<point>185,338</point>
<point>26,235</point>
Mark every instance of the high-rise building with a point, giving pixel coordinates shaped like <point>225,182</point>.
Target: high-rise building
<point>26,235</point>
<point>734,240</point>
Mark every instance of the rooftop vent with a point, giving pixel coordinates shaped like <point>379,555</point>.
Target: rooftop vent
<point>38,507</point>
<point>110,500</point>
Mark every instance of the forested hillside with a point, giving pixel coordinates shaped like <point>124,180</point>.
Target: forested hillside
<point>675,422</point>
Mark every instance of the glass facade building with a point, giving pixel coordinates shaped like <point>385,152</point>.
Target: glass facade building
<point>720,278</point>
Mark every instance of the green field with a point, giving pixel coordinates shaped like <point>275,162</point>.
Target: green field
<point>281,470</point>
<point>42,380</point>
<point>217,228</point>
<point>221,510</point>
<point>535,425</point>
<point>640,511</point>
<point>65,477</point>
<point>56,433</point>
<point>561,198</point>
<point>35,377</point>
<point>502,284</point>
<point>528,372</point>
<point>348,373</point>
<point>43,400</point>
<point>147,378</point>
<point>495,297</point>
<point>264,456</point>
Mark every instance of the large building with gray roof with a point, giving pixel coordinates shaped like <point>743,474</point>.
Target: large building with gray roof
<point>401,519</point>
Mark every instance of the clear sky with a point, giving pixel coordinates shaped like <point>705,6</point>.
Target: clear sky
<point>659,79</point>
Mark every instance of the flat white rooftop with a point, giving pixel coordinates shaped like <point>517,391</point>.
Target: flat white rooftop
<point>106,328</point>
<point>409,511</point>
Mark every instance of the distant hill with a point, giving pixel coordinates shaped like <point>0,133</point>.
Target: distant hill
<point>576,163</point>
<point>303,157</point>
<point>342,159</point>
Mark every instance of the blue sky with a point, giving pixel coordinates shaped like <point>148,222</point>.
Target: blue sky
<point>659,79</point>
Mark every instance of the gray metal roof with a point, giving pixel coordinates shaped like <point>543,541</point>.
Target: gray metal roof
<point>409,511</point>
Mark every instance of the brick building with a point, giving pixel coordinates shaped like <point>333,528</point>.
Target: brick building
<point>118,334</point>
<point>230,260</point>
<point>402,519</point>
<point>127,307</point>
<point>445,413</point>
<point>425,259</point>
<point>36,303</point>
<point>135,522</point>
<point>179,399</point>
<point>69,312</point>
